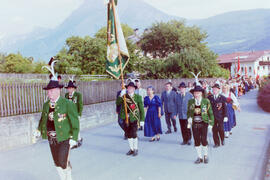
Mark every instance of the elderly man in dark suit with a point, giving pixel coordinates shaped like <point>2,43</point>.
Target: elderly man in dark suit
<point>168,99</point>
<point>182,107</point>
<point>219,107</point>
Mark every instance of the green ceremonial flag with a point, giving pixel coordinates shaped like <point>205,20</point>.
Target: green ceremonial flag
<point>115,37</point>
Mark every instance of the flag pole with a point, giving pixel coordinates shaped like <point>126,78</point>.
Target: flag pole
<point>120,60</point>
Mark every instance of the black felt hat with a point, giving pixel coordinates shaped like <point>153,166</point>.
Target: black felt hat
<point>182,85</point>
<point>131,84</point>
<point>216,86</point>
<point>53,84</point>
<point>71,84</point>
<point>197,89</point>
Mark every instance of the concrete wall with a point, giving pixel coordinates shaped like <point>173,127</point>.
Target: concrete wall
<point>17,131</point>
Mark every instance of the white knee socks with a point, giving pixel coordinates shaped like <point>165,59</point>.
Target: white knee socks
<point>199,151</point>
<point>133,143</point>
<point>205,150</point>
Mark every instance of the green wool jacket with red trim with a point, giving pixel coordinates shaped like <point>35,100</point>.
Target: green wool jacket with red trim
<point>206,110</point>
<point>65,117</point>
<point>140,114</point>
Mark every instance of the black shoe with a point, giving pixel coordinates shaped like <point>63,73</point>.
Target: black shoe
<point>189,143</point>
<point>69,165</point>
<point>158,138</point>
<point>168,132</point>
<point>125,137</point>
<point>223,142</point>
<point>141,128</point>
<point>175,129</point>
<point>152,140</point>
<point>198,161</point>
<point>130,152</point>
<point>74,147</point>
<point>205,159</point>
<point>216,146</point>
<point>183,143</point>
<point>80,142</point>
<point>135,153</point>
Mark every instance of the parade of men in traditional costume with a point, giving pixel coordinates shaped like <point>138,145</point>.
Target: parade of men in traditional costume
<point>197,112</point>
<point>200,107</point>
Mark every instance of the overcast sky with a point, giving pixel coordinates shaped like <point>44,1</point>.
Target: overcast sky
<point>21,16</point>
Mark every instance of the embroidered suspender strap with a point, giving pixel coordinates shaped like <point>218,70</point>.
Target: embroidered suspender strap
<point>132,106</point>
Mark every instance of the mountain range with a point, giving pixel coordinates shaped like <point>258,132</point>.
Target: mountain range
<point>228,32</point>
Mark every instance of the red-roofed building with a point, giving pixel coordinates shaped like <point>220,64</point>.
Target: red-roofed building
<point>256,62</point>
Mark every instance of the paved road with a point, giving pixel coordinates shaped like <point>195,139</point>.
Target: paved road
<point>102,156</point>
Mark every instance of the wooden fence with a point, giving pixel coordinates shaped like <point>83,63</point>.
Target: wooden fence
<point>44,77</point>
<point>22,98</point>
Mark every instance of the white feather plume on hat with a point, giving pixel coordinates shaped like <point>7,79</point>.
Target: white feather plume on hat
<point>71,78</point>
<point>51,69</point>
<point>196,78</point>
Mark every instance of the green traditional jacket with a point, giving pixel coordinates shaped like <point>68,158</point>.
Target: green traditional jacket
<point>206,110</point>
<point>78,101</point>
<point>66,120</point>
<point>138,99</point>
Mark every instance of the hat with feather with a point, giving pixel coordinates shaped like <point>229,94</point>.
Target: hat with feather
<point>198,85</point>
<point>71,83</point>
<point>54,83</point>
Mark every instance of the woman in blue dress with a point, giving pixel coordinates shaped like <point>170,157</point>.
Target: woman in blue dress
<point>231,102</point>
<point>152,125</point>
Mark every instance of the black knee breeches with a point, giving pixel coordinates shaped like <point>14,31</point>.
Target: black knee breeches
<point>199,131</point>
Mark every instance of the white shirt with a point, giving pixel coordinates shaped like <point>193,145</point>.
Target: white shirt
<point>131,95</point>
<point>168,92</point>
<point>216,96</point>
<point>198,101</point>
<point>55,100</point>
<point>71,94</point>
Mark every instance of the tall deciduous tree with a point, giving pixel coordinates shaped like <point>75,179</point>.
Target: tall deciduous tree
<point>164,38</point>
<point>16,63</point>
<point>176,50</point>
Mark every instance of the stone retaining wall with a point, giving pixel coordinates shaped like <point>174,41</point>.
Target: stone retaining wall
<point>18,131</point>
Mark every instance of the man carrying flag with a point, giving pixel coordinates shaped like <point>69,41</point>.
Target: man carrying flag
<point>135,114</point>
<point>117,59</point>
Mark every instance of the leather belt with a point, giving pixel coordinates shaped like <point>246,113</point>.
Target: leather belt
<point>51,134</point>
<point>197,119</point>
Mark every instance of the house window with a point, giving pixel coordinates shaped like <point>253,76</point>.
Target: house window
<point>268,59</point>
<point>258,68</point>
<point>249,69</point>
<point>263,67</point>
<point>242,69</point>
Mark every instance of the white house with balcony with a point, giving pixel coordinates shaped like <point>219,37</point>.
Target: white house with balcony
<point>251,62</point>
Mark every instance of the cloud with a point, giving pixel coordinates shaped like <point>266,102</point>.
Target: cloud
<point>17,19</point>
